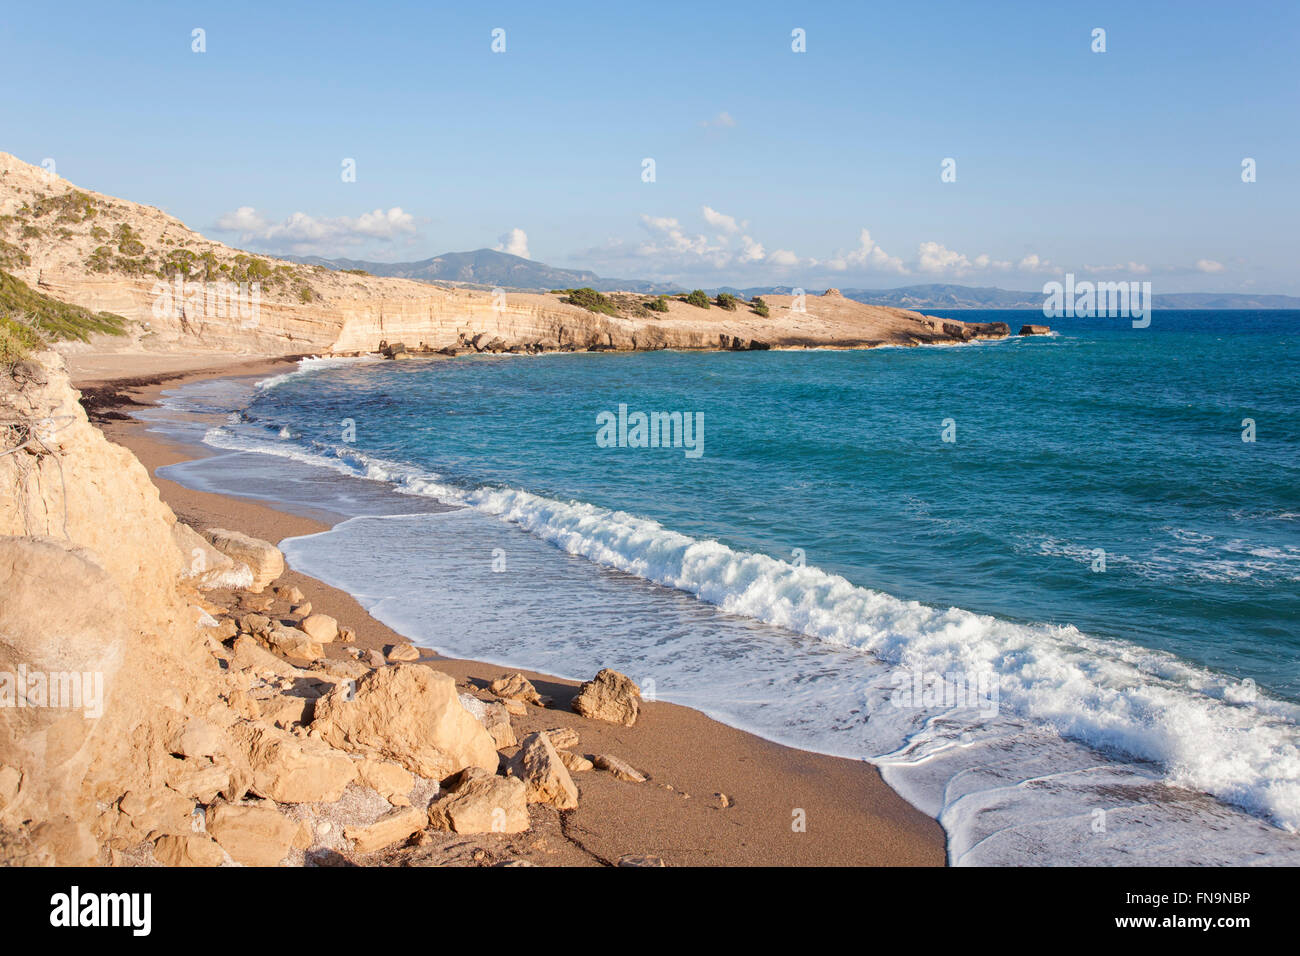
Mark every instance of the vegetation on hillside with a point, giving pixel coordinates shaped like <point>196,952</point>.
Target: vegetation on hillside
<point>73,206</point>
<point>121,249</point>
<point>726,301</point>
<point>658,304</point>
<point>759,307</point>
<point>697,299</point>
<point>30,319</point>
<point>11,256</point>
<point>591,300</point>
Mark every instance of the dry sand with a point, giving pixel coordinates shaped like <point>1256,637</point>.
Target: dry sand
<point>852,817</point>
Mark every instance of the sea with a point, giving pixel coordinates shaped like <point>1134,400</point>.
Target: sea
<point>1048,585</point>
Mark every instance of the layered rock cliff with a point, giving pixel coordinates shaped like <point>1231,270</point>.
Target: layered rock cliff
<point>111,255</point>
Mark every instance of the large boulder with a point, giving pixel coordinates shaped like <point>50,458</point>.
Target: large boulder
<point>263,558</point>
<point>409,714</point>
<point>609,696</point>
<point>544,774</point>
<point>204,566</point>
<point>482,802</point>
<point>321,628</point>
<point>294,644</point>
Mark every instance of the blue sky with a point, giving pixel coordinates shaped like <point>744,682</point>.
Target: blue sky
<point>769,164</point>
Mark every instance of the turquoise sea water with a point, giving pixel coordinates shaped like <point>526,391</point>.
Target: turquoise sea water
<point>1093,546</point>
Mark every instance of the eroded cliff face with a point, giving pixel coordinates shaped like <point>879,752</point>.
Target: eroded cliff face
<point>142,722</point>
<point>107,254</point>
<point>98,644</point>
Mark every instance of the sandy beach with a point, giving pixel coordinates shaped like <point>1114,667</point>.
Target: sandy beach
<point>715,795</point>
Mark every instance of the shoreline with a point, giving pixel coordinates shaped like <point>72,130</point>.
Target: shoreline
<point>680,813</point>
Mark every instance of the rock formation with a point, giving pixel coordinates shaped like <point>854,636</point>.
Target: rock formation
<point>609,696</point>
<point>80,254</point>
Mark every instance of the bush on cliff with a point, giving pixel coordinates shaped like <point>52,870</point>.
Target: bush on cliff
<point>698,299</point>
<point>29,319</point>
<point>128,241</point>
<point>726,301</point>
<point>658,304</point>
<point>591,300</point>
<point>759,307</point>
<point>11,256</point>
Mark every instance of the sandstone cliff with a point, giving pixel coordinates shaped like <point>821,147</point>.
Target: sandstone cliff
<point>111,255</point>
<point>135,727</point>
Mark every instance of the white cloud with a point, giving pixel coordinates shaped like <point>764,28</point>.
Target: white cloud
<point>935,257</point>
<point>673,250</point>
<point>669,236</point>
<point>867,255</point>
<point>245,219</point>
<point>751,250</point>
<point>720,221</point>
<point>515,242</point>
<point>302,232</point>
<point>1208,266</point>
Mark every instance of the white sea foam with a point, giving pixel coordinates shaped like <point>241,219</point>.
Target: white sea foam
<point>314,364</point>
<point>1205,731</point>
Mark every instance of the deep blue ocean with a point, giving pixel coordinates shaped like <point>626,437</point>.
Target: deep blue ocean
<point>1073,524</point>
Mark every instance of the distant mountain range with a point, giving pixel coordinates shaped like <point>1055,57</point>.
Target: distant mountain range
<point>488,268</point>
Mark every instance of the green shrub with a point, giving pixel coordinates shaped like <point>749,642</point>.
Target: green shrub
<point>101,260</point>
<point>245,268</point>
<point>591,300</point>
<point>177,261</point>
<point>355,272</point>
<point>759,307</point>
<point>29,318</point>
<point>305,294</point>
<point>726,301</point>
<point>16,340</point>
<point>128,241</point>
<point>12,256</point>
<point>658,304</point>
<point>72,206</point>
<point>698,299</point>
<point>133,266</point>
